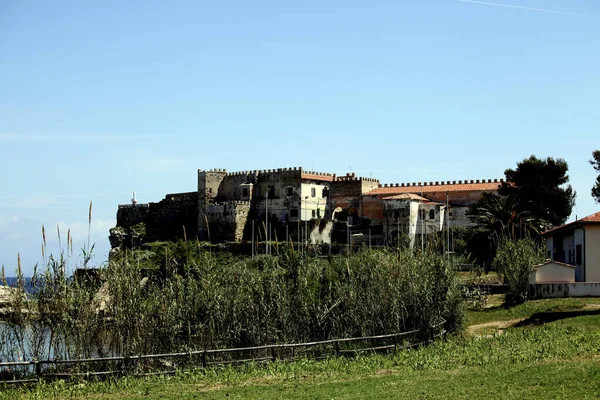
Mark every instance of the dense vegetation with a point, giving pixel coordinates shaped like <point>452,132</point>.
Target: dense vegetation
<point>595,161</point>
<point>555,359</point>
<point>193,299</point>
<point>535,197</point>
<point>515,260</point>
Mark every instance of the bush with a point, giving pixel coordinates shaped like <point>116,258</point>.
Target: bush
<point>515,260</point>
<point>199,300</point>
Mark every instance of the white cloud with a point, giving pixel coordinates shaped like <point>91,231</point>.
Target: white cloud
<point>79,231</point>
<point>546,10</point>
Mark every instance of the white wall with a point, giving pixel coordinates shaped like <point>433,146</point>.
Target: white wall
<point>592,253</point>
<point>459,216</point>
<point>552,272</point>
<point>310,203</point>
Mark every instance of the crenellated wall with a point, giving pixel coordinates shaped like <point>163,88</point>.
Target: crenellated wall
<point>346,193</point>
<point>226,203</point>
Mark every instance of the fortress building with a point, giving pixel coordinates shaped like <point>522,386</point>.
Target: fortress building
<point>275,203</point>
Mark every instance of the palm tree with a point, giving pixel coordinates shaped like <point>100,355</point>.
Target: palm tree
<point>496,218</point>
<point>502,216</point>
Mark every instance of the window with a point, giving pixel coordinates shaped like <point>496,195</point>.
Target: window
<point>294,213</point>
<point>245,192</point>
<point>397,214</point>
<point>209,190</point>
<point>271,192</point>
<point>314,213</point>
<point>313,192</point>
<point>431,214</point>
<point>422,214</point>
<point>289,191</point>
<point>578,257</point>
<point>325,193</point>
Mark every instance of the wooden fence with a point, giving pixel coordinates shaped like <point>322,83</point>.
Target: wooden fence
<point>24,372</point>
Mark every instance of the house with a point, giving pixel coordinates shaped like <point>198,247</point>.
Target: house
<point>412,214</point>
<point>422,207</point>
<point>577,243</point>
<point>552,272</point>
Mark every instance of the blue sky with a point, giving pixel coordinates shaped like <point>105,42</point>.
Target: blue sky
<point>103,98</point>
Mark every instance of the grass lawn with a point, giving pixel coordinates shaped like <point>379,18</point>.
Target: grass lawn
<point>552,353</point>
<point>496,312</point>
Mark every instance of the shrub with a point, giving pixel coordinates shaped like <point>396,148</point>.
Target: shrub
<point>200,300</point>
<point>515,260</point>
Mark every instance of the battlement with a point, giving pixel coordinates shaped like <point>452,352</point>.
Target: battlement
<point>229,203</point>
<point>138,205</point>
<point>352,177</point>
<point>214,170</point>
<point>442,183</point>
<point>257,172</point>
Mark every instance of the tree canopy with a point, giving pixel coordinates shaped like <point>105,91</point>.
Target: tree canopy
<point>540,187</point>
<point>498,218</point>
<point>595,161</point>
<point>535,196</point>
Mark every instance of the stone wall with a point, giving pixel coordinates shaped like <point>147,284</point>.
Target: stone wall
<point>227,221</point>
<point>346,192</point>
<point>165,220</point>
<point>131,214</point>
<point>554,290</point>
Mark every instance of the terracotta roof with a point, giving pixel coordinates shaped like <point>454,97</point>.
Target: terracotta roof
<point>458,187</point>
<point>317,177</point>
<point>549,261</point>
<point>406,196</point>
<point>589,220</point>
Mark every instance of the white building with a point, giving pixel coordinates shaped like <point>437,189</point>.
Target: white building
<point>552,272</point>
<point>413,215</point>
<point>577,243</point>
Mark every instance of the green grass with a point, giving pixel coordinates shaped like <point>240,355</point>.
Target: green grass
<point>556,359</point>
<point>485,278</point>
<point>498,313</point>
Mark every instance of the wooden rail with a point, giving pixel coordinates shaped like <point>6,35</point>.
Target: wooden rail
<point>37,370</point>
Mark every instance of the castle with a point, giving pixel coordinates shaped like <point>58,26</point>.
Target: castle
<point>276,203</point>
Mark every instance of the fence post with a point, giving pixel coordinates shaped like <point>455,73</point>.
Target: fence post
<point>38,370</point>
<point>203,359</point>
<point>273,354</point>
<point>126,365</point>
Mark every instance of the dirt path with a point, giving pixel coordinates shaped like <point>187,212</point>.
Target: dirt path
<point>499,326</point>
<point>482,330</point>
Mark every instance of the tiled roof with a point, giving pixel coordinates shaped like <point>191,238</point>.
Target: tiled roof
<point>315,176</point>
<point>549,261</point>
<point>444,187</point>
<point>590,219</point>
<point>406,196</point>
